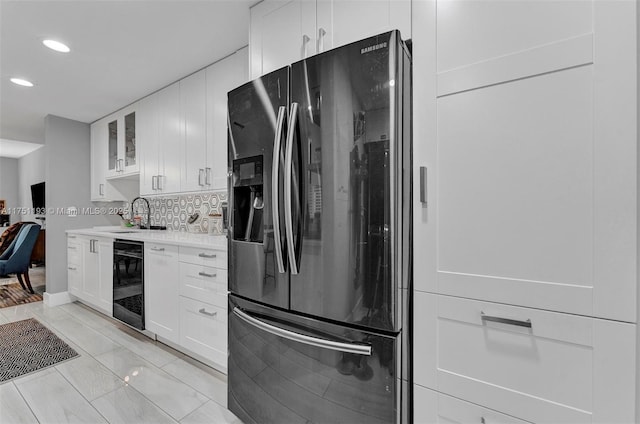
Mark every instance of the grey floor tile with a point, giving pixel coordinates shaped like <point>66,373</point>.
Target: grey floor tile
<point>175,397</point>
<point>204,381</point>
<point>89,377</point>
<point>211,413</point>
<point>85,337</point>
<point>54,400</point>
<point>13,409</point>
<point>126,405</point>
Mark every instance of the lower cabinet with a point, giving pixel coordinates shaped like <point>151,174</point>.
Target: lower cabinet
<point>203,329</point>
<point>90,271</point>
<point>535,365</point>
<point>186,299</point>
<point>161,290</point>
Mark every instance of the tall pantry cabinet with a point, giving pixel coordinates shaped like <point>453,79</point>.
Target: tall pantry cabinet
<point>525,251</point>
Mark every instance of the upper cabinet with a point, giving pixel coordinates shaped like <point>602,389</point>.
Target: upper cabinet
<point>105,186</point>
<point>183,130</point>
<point>316,26</point>
<point>121,143</point>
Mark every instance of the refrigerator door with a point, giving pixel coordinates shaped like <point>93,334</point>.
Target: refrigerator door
<point>348,152</point>
<point>257,123</point>
<point>287,369</point>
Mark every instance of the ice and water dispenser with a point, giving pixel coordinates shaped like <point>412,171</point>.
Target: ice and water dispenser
<point>248,200</point>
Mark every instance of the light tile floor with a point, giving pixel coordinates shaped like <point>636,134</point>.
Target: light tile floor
<point>120,376</point>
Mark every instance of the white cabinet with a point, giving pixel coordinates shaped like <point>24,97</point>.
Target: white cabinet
<point>122,152</point>
<point>203,115</point>
<point>161,273</point>
<point>90,271</point>
<point>193,115</point>
<point>539,366</point>
<point>316,26</point>
<point>162,142</point>
<point>529,137</point>
<point>203,303</point>
<point>103,189</point>
<point>222,77</point>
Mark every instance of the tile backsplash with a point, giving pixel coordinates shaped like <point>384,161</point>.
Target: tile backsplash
<point>174,211</point>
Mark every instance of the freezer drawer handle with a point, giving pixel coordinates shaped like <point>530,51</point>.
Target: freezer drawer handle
<point>204,274</point>
<point>275,184</point>
<point>204,255</point>
<point>204,312</point>
<point>518,323</point>
<point>302,338</point>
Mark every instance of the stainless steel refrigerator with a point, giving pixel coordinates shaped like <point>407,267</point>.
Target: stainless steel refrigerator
<point>319,238</point>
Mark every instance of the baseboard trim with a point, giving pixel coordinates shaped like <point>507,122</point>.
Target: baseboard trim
<point>56,299</point>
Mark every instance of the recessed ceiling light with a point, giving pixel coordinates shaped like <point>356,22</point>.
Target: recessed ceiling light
<point>57,46</point>
<point>22,82</point>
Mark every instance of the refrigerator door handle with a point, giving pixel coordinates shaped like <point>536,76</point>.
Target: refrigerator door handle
<point>275,174</point>
<point>357,349</point>
<point>288,213</point>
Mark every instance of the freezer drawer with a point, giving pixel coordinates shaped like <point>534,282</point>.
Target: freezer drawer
<point>308,377</point>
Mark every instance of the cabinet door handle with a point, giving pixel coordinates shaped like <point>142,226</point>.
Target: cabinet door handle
<point>72,268</point>
<point>159,180</point>
<point>423,185</point>
<point>71,236</point>
<point>204,255</point>
<point>71,247</point>
<point>305,42</point>
<point>153,182</point>
<point>204,274</point>
<point>121,165</point>
<point>321,34</point>
<point>518,323</point>
<point>200,174</point>
<point>204,312</point>
<point>207,176</point>
<point>157,249</point>
<point>101,189</point>
<point>117,165</point>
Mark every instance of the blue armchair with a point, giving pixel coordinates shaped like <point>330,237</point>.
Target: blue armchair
<point>16,259</point>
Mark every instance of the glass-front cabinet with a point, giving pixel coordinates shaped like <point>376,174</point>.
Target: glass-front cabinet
<point>121,146</point>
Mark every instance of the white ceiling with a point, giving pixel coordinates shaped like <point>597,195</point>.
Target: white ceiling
<point>120,52</point>
<point>16,149</point>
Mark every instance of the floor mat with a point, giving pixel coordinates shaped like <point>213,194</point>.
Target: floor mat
<point>13,294</point>
<point>27,346</point>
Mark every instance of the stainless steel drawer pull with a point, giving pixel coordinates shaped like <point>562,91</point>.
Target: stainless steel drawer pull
<point>204,255</point>
<point>158,249</point>
<point>509,321</point>
<point>71,236</point>
<point>204,274</point>
<point>71,247</point>
<point>204,312</point>
<point>358,349</point>
<point>72,268</point>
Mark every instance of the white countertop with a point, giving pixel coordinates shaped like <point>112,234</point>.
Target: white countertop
<point>156,236</point>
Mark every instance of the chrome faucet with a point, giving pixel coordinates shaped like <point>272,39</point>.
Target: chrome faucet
<point>148,221</point>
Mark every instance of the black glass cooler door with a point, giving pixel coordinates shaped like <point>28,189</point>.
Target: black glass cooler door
<point>128,282</point>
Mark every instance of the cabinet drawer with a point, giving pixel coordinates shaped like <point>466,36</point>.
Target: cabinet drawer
<point>203,329</point>
<point>74,254</point>
<point>208,257</point>
<point>204,283</point>
<point>434,407</point>
<point>537,365</point>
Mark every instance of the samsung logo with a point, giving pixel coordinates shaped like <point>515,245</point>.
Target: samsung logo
<point>374,47</point>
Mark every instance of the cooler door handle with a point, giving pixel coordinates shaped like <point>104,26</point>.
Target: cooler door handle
<point>275,174</point>
<point>358,349</point>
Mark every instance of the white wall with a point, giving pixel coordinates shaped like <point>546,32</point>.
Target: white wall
<point>31,170</point>
<point>9,184</point>
<point>68,179</point>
